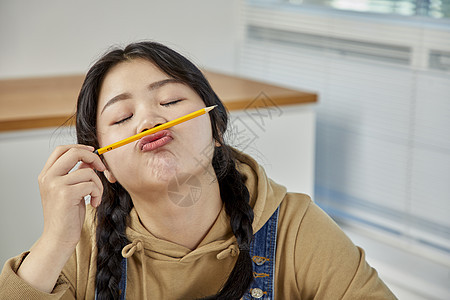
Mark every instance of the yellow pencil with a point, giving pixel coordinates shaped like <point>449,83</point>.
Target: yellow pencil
<point>136,137</point>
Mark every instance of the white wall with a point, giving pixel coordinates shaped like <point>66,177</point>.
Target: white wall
<point>64,37</point>
<point>22,157</point>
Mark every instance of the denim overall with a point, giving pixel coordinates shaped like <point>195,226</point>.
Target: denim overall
<point>262,252</point>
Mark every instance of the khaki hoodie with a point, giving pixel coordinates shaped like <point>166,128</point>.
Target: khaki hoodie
<point>314,258</point>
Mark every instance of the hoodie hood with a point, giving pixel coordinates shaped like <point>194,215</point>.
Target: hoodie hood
<point>265,194</point>
<point>265,197</point>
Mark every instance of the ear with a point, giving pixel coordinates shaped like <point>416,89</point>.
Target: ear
<point>218,142</point>
<point>109,175</point>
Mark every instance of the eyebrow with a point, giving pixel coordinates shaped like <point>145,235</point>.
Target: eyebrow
<point>151,87</point>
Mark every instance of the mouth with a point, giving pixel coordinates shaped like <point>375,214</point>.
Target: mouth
<point>154,141</point>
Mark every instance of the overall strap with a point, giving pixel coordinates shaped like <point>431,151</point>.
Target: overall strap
<point>262,252</point>
<point>123,281</point>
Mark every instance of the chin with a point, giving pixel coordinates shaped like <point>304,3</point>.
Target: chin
<point>163,167</point>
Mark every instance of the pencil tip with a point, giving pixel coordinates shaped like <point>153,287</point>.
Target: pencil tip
<point>209,108</point>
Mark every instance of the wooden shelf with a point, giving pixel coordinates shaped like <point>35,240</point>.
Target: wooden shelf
<point>50,101</point>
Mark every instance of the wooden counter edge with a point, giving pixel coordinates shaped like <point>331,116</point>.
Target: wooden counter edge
<point>65,120</point>
<point>36,123</point>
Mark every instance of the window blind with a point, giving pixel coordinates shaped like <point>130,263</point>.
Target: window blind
<point>383,118</point>
<point>427,8</point>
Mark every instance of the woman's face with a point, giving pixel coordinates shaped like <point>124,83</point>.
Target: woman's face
<point>136,95</point>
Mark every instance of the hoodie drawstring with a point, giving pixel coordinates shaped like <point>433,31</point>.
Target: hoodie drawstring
<point>232,250</point>
<point>129,250</point>
<point>138,245</point>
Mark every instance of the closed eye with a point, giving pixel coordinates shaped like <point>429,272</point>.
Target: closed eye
<point>171,103</point>
<point>123,120</point>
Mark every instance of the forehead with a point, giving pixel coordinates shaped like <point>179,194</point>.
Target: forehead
<point>135,65</point>
<point>130,74</point>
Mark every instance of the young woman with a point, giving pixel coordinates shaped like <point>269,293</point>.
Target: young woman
<point>178,214</point>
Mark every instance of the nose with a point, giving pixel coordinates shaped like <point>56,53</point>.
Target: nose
<point>149,115</point>
<point>145,129</point>
<point>150,120</point>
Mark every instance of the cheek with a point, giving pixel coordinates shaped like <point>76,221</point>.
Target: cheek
<point>107,137</point>
<point>201,143</point>
<point>117,160</point>
<point>201,126</point>
<point>199,133</point>
<point>103,137</point>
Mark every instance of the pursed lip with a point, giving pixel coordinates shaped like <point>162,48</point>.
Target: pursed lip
<point>152,139</point>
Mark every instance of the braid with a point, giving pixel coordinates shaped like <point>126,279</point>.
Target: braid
<point>111,223</point>
<point>236,197</point>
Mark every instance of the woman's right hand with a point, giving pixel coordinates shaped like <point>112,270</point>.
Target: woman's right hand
<point>63,192</point>
<point>62,195</point>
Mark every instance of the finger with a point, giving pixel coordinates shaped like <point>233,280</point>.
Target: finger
<point>71,157</point>
<point>83,165</point>
<point>96,200</point>
<point>96,197</point>
<point>60,150</point>
<point>83,175</point>
<point>86,175</point>
<point>80,190</point>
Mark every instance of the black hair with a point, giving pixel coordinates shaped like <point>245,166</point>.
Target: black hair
<point>113,213</point>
